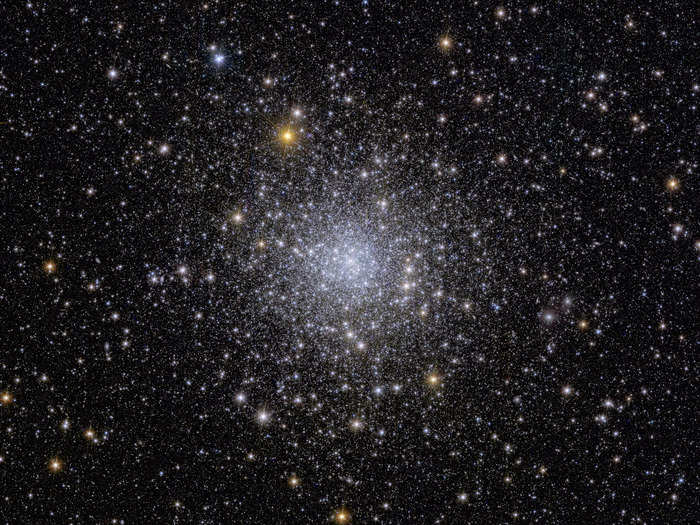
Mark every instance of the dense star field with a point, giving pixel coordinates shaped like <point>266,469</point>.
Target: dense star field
<point>348,262</point>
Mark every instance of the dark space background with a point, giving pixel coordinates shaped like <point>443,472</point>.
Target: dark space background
<point>349,261</point>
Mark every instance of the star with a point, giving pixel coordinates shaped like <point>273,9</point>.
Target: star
<point>341,516</point>
<point>434,379</point>
<point>6,398</point>
<point>263,417</point>
<point>356,424</point>
<point>55,465</point>
<point>287,136</point>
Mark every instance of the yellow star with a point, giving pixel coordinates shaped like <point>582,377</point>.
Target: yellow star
<point>446,43</point>
<point>6,398</point>
<point>434,379</point>
<point>341,516</point>
<point>287,136</point>
<point>55,465</point>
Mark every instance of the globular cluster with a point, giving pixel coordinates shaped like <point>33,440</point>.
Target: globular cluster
<point>349,262</point>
